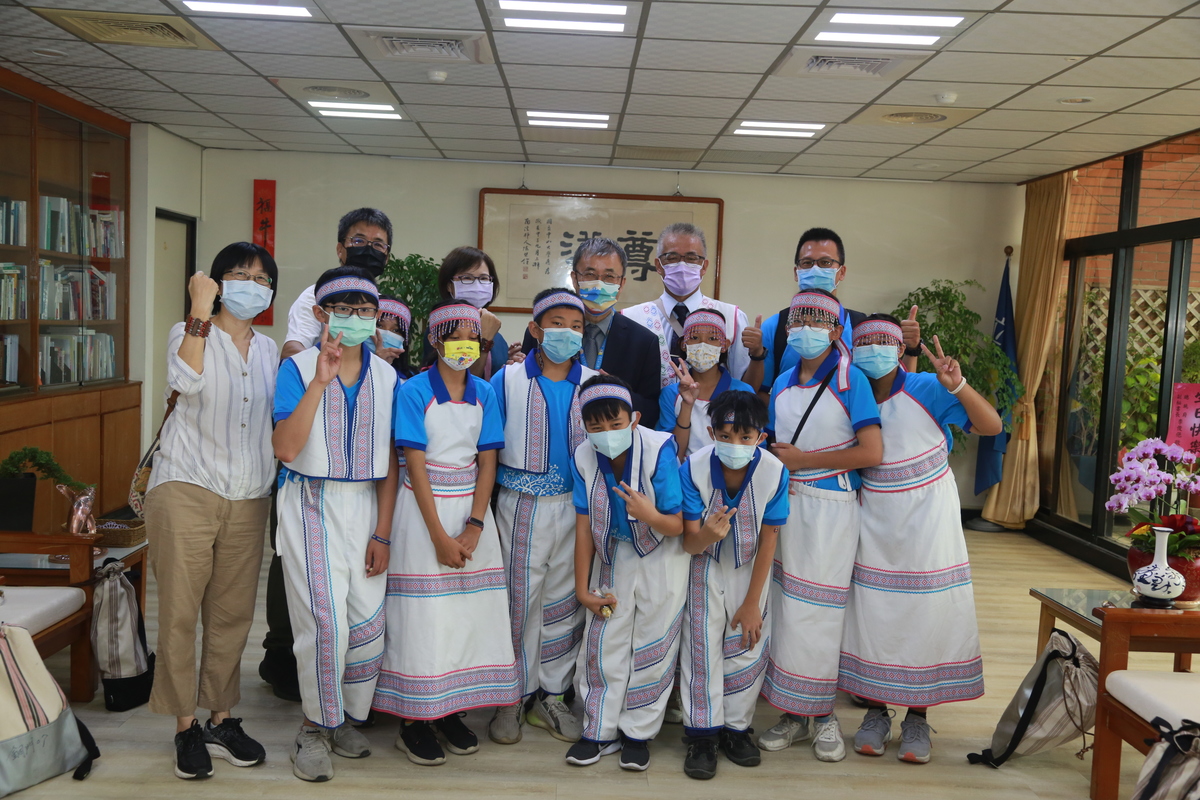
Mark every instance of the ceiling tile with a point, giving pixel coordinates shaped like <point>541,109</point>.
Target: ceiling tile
<point>236,104</point>
<point>99,78</point>
<point>227,144</point>
<point>588,102</point>
<point>836,148</point>
<point>763,143</point>
<point>717,166</point>
<point>198,118</point>
<point>1179,101</point>
<point>943,165</point>
<point>242,85</point>
<point>966,137</point>
<point>1064,34</point>
<point>1052,158</point>
<point>821,89</point>
<point>1005,120</point>
<point>861,162</point>
<point>1160,125</point>
<point>174,59</point>
<point>297,137</point>
<point>466,115</point>
<point>440,129</point>
<point>1140,8</point>
<point>372,127</point>
<point>784,111</point>
<point>1019,171</point>
<point>989,68</point>
<point>1103,98</point>
<point>456,74</point>
<point>1128,72</point>
<point>378,140</point>
<point>197,132</point>
<point>665,139</point>
<point>275,123</point>
<point>446,95</point>
<point>822,172</point>
<point>23,22</point>
<point>323,67</point>
<point>125,6</point>
<point>936,152</point>
<point>696,84</point>
<point>410,13</point>
<point>559,149</point>
<point>924,5</point>
<point>271,36</point>
<point>553,48</point>
<point>1094,142</point>
<point>324,148</point>
<point>970,95</point>
<point>130,99</point>
<point>748,157</point>
<point>880,133</point>
<point>480,145</point>
<point>78,54</point>
<point>473,155</point>
<point>668,105</point>
<point>905,174</point>
<point>656,124</point>
<point>549,159</point>
<point>633,162</point>
<point>974,177</point>
<point>724,23</point>
<point>403,152</point>
<point>579,79</point>
<point>715,56</point>
<point>1174,38</point>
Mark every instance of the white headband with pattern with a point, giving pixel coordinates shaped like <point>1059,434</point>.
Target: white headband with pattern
<point>603,391</point>
<point>346,284</point>
<point>554,300</point>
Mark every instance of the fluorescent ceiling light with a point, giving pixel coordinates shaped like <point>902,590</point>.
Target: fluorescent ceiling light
<point>562,8</point>
<point>352,106</point>
<point>761,132</point>
<point>896,19</point>
<point>248,8</point>
<point>360,114</point>
<point>565,25</point>
<point>559,115</point>
<point>565,123</point>
<point>874,38</point>
<point>803,126</point>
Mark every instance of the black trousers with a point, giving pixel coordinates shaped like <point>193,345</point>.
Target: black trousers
<point>279,622</point>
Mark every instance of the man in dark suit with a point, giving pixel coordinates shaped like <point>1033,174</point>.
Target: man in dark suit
<point>611,342</point>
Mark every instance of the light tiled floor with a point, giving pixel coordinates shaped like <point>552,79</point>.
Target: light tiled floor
<point>136,745</point>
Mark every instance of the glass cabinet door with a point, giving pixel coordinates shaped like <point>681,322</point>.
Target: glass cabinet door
<point>18,368</point>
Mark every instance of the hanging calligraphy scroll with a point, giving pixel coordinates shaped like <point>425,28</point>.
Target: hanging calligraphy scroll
<point>532,235</point>
<point>264,232</point>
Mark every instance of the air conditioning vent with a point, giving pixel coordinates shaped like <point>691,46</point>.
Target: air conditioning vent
<point>842,64</point>
<point>939,117</point>
<point>425,46</point>
<point>146,30</point>
<point>424,49</point>
<point>914,118</point>
<point>847,62</point>
<point>337,92</point>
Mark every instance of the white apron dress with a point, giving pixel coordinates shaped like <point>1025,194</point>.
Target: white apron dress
<point>911,637</point>
<point>652,317</point>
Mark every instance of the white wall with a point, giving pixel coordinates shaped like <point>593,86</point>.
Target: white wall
<point>899,235</point>
<point>164,172</point>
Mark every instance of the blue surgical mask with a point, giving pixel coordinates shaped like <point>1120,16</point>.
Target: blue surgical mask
<point>817,278</point>
<point>388,339</point>
<point>735,456</point>
<point>561,344</point>
<point>245,299</point>
<point>612,443</point>
<point>876,360</point>
<point>808,342</point>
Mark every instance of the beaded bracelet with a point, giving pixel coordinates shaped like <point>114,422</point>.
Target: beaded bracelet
<point>961,385</point>
<point>197,327</point>
<point>381,539</point>
<point>485,345</point>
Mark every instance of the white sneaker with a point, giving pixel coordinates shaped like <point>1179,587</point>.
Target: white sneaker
<point>674,712</point>
<point>827,741</point>
<point>782,734</point>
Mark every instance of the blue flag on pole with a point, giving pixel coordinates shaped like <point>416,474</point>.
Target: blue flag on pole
<point>989,466</point>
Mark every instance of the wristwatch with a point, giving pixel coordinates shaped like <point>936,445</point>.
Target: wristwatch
<point>912,352</point>
<point>763,357</point>
<point>478,523</point>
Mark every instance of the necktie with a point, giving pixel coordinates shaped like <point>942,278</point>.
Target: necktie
<point>680,313</point>
<point>593,336</point>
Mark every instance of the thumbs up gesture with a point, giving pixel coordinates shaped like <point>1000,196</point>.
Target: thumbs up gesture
<point>752,338</point>
<point>911,330</point>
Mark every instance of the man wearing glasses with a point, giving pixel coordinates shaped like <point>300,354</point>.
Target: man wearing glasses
<point>682,263</point>
<point>821,264</point>
<point>364,240</point>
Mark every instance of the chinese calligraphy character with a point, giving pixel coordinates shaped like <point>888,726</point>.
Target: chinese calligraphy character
<point>262,206</point>
<point>638,253</point>
<point>569,245</point>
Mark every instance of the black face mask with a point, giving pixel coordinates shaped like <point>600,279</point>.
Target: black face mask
<point>366,257</point>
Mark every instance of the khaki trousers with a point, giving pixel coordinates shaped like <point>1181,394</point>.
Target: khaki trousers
<point>206,552</point>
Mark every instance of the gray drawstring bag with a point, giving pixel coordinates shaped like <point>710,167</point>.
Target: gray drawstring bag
<point>1172,768</point>
<point>119,640</point>
<point>1054,704</point>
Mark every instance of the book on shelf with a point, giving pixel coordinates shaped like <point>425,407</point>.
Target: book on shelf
<point>12,291</point>
<point>10,352</point>
<point>77,292</point>
<point>66,227</point>
<point>14,220</point>
<point>75,356</point>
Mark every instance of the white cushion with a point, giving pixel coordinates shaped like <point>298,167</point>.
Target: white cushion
<point>1174,696</point>
<point>38,607</point>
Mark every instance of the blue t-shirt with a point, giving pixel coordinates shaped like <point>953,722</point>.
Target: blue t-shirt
<point>937,400</point>
<point>694,506</point>
<point>790,356</point>
<point>858,400</point>
<point>559,396</point>
<point>666,400</point>
<point>668,493</point>
<point>420,391</point>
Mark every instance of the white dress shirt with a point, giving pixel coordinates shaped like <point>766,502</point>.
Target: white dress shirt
<point>219,436</point>
<point>303,327</point>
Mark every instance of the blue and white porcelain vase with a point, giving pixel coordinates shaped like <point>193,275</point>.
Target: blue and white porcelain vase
<point>1156,583</point>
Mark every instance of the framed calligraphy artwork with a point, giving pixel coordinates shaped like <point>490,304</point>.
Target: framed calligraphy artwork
<point>532,235</point>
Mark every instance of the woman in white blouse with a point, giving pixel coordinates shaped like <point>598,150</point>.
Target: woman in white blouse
<point>208,501</point>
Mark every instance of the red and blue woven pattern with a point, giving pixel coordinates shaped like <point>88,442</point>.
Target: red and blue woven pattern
<point>398,310</point>
<point>704,319</point>
<point>347,284</point>
<point>554,300</point>
<point>444,320</point>
<point>812,301</point>
<point>869,332</point>
<point>605,390</point>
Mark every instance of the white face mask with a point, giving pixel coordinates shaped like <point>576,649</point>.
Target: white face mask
<point>703,357</point>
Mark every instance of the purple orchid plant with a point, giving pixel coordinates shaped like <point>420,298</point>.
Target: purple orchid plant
<point>1163,475</point>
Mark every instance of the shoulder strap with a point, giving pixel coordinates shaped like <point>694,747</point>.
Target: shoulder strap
<point>820,390</point>
<point>779,342</point>
<point>170,408</point>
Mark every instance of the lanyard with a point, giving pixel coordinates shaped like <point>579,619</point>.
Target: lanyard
<point>599,356</point>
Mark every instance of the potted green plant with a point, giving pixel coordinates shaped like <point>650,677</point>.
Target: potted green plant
<point>18,485</point>
<point>412,280</point>
<point>942,311</point>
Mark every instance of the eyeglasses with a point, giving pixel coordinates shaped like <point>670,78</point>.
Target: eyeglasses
<point>467,280</point>
<point>346,312</point>
<point>800,320</point>
<point>823,263</point>
<point>675,258</point>
<point>358,241</point>
<point>242,275</point>
<point>592,275</point>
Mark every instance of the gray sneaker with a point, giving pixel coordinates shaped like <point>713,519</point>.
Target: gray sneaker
<point>874,733</point>
<point>346,741</point>
<point>552,714</point>
<point>505,727</point>
<point>827,740</point>
<point>914,740</point>
<point>310,756</point>
<point>674,713</point>
<point>782,734</point>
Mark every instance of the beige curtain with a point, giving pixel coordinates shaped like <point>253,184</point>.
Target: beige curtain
<point>1015,499</point>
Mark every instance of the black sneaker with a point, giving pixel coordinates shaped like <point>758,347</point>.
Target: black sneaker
<point>738,747</point>
<point>635,755</point>
<point>585,752</point>
<point>191,757</point>
<point>460,739</point>
<point>278,668</point>
<point>701,759</point>
<point>419,742</point>
<point>230,742</point>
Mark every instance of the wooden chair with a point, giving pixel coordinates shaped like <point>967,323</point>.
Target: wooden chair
<point>74,630</point>
<point>1128,699</point>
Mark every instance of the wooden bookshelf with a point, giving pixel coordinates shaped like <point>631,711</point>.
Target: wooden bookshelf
<point>71,394</point>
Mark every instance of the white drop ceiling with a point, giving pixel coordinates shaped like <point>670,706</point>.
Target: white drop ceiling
<point>676,84</point>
